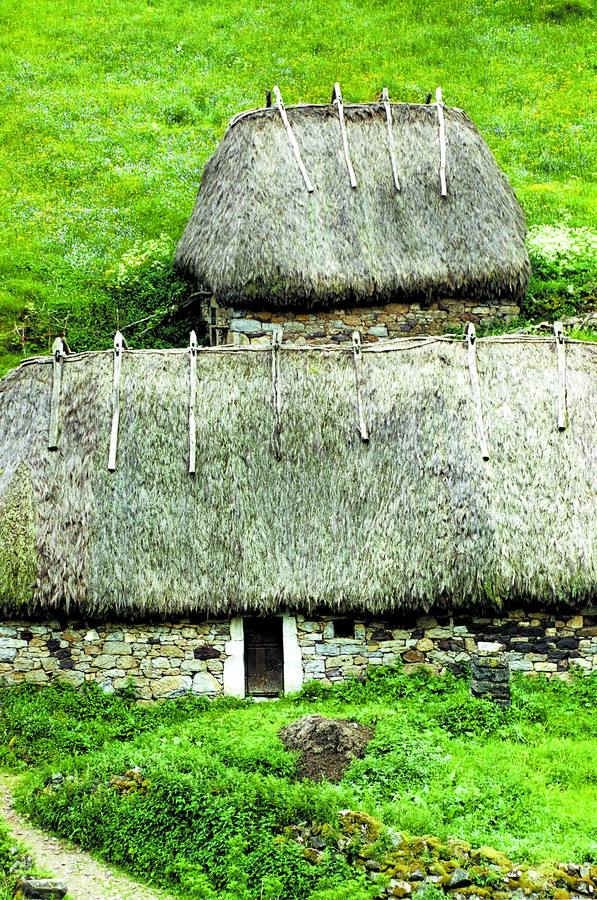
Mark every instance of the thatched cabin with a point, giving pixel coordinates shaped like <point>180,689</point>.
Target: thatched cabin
<point>392,218</point>
<point>241,519</point>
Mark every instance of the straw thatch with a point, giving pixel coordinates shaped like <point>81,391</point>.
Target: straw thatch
<point>412,520</point>
<point>257,237</point>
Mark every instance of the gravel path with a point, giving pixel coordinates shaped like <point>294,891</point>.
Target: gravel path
<point>87,879</point>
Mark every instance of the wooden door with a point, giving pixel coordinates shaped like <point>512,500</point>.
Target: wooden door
<point>264,658</point>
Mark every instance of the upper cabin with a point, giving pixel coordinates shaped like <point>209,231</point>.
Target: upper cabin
<point>390,218</point>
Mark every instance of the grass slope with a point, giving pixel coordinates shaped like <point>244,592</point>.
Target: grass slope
<point>108,114</point>
<point>196,794</point>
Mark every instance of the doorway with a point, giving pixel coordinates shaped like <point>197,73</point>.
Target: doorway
<point>264,657</point>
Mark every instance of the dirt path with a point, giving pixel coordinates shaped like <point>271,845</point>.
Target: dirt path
<point>87,879</point>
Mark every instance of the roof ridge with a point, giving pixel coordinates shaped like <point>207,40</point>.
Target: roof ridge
<point>378,105</point>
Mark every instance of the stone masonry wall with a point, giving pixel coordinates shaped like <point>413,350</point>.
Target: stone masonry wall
<point>538,642</point>
<point>374,322</point>
<point>160,660</point>
<point>165,660</point>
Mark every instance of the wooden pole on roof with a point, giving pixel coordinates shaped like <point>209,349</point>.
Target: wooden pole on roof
<point>337,101</point>
<point>292,139</point>
<point>57,365</point>
<point>439,103</point>
<point>118,348</point>
<point>471,340</point>
<point>385,99</point>
<point>558,330</point>
<point>276,392</point>
<point>358,363</point>
<point>192,402</point>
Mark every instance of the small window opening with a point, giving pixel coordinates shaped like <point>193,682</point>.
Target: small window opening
<point>343,628</point>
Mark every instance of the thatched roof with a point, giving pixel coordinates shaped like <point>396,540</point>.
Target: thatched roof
<point>258,238</point>
<point>414,519</point>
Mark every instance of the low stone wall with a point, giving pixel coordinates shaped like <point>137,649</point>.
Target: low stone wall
<point>532,643</point>
<point>374,322</point>
<point>165,660</point>
<point>160,660</point>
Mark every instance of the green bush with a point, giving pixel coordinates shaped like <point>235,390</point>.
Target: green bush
<point>194,817</point>
<point>562,10</point>
<point>397,760</point>
<point>564,271</point>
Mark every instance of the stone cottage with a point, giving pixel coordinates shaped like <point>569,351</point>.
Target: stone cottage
<point>391,218</point>
<point>239,519</point>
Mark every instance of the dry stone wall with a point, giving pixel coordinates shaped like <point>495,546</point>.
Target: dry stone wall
<point>374,322</point>
<point>538,642</point>
<point>160,660</point>
<point>165,660</point>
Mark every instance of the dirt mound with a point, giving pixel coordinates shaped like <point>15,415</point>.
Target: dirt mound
<point>327,746</point>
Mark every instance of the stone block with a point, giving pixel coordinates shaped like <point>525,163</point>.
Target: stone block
<point>104,661</point>
<point>489,646</point>
<point>171,686</point>
<point>245,326</point>
<point>338,661</point>
<point>205,683</point>
<point>117,648</point>
<point>413,656</point>
<point>521,665</point>
<point>424,645</point>
<point>336,649</point>
<point>193,666</point>
<point>481,688</point>
<point>43,888</point>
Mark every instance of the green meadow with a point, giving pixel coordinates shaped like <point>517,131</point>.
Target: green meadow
<point>109,112</point>
<point>201,798</point>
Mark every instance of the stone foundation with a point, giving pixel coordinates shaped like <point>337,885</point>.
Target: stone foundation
<point>533,643</point>
<point>335,326</point>
<point>159,660</point>
<point>165,660</point>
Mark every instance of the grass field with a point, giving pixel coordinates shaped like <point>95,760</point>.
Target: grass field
<point>109,112</point>
<point>197,795</point>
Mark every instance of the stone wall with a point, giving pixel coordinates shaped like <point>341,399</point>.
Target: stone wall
<point>335,326</point>
<point>533,643</point>
<point>165,660</point>
<point>160,660</point>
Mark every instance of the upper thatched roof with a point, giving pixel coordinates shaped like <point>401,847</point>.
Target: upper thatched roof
<point>414,519</point>
<point>258,238</point>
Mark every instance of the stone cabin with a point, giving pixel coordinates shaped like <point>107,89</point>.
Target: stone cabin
<point>390,218</point>
<point>240,519</point>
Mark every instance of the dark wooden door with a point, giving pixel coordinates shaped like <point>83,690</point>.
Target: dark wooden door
<point>264,659</point>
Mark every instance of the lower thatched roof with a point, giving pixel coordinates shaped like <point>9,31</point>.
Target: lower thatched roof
<point>414,519</point>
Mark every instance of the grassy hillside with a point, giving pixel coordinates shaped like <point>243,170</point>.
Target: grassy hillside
<point>200,796</point>
<point>109,112</point>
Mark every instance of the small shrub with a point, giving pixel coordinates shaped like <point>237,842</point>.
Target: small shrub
<point>564,271</point>
<point>396,760</point>
<point>559,11</point>
<point>470,717</point>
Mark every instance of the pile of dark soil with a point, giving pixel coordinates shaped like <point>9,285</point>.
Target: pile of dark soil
<point>326,746</point>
